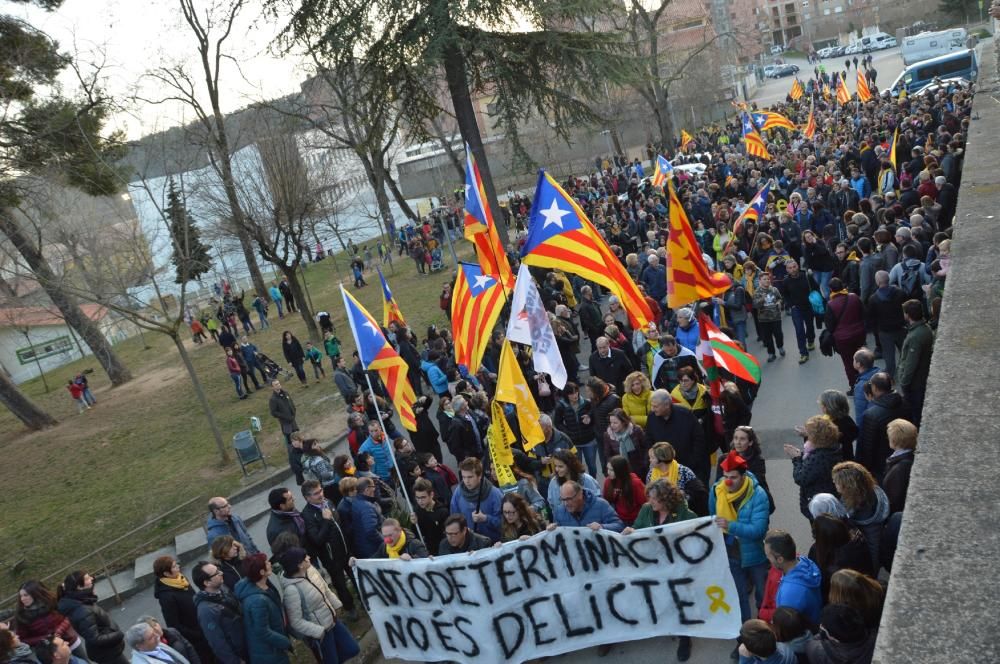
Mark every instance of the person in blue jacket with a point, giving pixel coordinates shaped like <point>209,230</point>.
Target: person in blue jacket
<point>801,580</point>
<point>263,613</point>
<point>435,376</point>
<point>366,520</point>
<point>477,500</point>
<point>742,510</point>
<point>221,521</point>
<point>581,507</point>
<point>864,364</point>
<point>377,444</point>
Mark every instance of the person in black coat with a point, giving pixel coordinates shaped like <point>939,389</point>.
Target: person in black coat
<point>884,406</point>
<point>430,514</point>
<point>172,638</point>
<point>104,641</point>
<point>610,365</point>
<point>425,439</point>
<point>294,355</point>
<point>812,467</point>
<point>838,545</point>
<point>903,442</point>
<point>176,598</point>
<point>680,428</point>
<point>410,356</point>
<point>463,436</point>
<point>326,541</point>
<point>284,517</point>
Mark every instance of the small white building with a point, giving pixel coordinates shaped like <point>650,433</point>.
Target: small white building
<point>37,338</point>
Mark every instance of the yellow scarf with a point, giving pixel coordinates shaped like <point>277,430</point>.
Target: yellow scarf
<point>394,550</point>
<point>727,504</point>
<point>349,472</point>
<point>180,583</point>
<point>673,472</point>
<point>842,291</point>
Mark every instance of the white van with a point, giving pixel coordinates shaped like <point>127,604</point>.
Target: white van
<point>878,41</point>
<point>928,45</point>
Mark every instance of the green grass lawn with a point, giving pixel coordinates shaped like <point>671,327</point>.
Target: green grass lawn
<point>146,448</point>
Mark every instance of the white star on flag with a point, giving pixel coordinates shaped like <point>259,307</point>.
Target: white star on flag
<point>482,281</point>
<point>373,327</point>
<point>554,215</point>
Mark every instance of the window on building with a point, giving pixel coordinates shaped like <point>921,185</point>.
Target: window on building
<point>838,9</point>
<point>826,12</point>
<point>807,16</point>
<point>685,25</point>
<point>42,350</point>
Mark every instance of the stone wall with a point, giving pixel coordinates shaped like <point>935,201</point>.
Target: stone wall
<point>942,605</point>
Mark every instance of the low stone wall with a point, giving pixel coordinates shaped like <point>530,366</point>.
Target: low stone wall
<point>942,605</point>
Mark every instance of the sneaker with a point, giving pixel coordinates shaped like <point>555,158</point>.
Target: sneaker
<point>684,649</point>
<point>803,359</point>
<point>811,345</point>
<point>781,352</point>
<point>771,358</point>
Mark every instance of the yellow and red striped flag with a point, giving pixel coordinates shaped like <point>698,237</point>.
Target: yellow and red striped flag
<point>390,308</point>
<point>476,303</point>
<point>686,141</point>
<point>688,277</point>
<point>479,226</point>
<point>560,236</point>
<point>843,94</point>
<point>754,143</point>
<point>797,90</point>
<point>864,94</point>
<point>810,129</point>
<point>377,354</point>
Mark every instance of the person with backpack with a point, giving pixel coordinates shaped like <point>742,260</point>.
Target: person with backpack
<point>910,275</point>
<point>884,315</point>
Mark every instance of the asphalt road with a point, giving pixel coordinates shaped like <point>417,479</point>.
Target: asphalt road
<point>788,396</point>
<point>887,63</point>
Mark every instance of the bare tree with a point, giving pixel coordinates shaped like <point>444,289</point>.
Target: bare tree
<point>211,30</point>
<point>281,204</point>
<point>23,408</point>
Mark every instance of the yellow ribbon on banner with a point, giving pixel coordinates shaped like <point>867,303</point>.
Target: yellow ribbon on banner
<point>718,597</point>
<point>498,440</point>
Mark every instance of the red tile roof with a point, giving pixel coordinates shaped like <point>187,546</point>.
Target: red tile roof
<point>41,316</point>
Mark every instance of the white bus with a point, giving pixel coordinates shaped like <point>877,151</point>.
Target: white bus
<point>928,45</point>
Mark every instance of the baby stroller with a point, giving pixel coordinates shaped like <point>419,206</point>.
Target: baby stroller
<point>436,263</point>
<point>273,369</point>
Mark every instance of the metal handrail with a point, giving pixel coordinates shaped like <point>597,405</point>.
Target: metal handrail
<point>97,552</point>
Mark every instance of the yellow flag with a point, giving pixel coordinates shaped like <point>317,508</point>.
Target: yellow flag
<point>512,388</point>
<point>499,439</point>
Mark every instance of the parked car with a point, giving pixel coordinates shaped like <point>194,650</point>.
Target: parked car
<point>785,70</point>
<point>776,49</point>
<point>769,70</point>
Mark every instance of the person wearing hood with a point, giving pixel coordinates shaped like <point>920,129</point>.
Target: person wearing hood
<point>884,406</point>
<point>759,645</point>
<point>102,638</point>
<point>842,639</point>
<point>477,500</point>
<point>801,580</point>
<point>378,445</point>
<point>866,504</point>
<point>263,613</point>
<point>311,608</point>
<point>176,598</point>
<point>742,511</point>
<point>579,507</point>
<point>687,333</point>
<point>812,465</point>
<point>219,614</point>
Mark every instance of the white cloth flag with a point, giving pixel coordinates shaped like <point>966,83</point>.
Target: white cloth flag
<point>529,325</point>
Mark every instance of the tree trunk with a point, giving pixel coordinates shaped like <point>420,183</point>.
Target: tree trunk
<point>71,313</point>
<point>398,195</point>
<point>202,399</point>
<point>298,292</point>
<point>665,125</point>
<point>381,198</point>
<point>456,161</point>
<point>240,225</point>
<point>23,408</point>
<point>465,114</point>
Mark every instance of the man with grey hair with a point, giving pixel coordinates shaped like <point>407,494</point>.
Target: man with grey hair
<point>885,316</point>
<point>680,428</point>
<point>609,364</point>
<point>147,648</point>
<point>947,197</point>
<point>654,279</point>
<point>464,437</point>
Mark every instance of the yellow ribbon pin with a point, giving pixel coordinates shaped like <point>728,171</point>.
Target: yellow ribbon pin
<point>718,597</point>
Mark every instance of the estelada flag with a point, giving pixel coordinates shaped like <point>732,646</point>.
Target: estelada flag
<point>390,308</point>
<point>479,226</point>
<point>797,90</point>
<point>476,303</point>
<point>864,94</point>
<point>377,354</point>
<point>561,237</point>
<point>688,278</point>
<point>686,140</point>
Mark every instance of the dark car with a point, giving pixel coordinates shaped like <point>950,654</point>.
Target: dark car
<point>785,70</point>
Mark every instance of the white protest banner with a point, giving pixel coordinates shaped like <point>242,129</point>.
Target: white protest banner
<point>557,592</point>
<point>529,325</point>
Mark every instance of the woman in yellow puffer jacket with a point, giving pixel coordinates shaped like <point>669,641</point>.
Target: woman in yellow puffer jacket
<point>635,401</point>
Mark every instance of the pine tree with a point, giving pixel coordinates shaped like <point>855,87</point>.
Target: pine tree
<point>190,257</point>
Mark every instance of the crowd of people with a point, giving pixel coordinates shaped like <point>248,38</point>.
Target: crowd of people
<point>857,265</point>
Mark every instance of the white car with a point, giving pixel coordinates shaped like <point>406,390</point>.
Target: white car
<point>769,70</point>
<point>776,50</point>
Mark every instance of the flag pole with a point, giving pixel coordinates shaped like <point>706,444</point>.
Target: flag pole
<point>392,453</point>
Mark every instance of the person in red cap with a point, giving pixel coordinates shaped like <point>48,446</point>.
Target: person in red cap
<point>741,509</point>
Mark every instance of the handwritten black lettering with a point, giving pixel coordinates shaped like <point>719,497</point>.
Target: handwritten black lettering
<point>473,646</point>
<point>444,639</point>
<point>418,633</point>
<point>508,648</point>
<point>612,609</point>
<point>698,539</point>
<point>537,625</point>
<point>557,548</point>
<point>420,587</point>
<point>619,552</point>
<point>597,551</point>
<point>647,594</point>
<point>527,567</point>
<point>441,582</point>
<point>483,580</point>
<point>502,573</point>
<point>458,585</point>
<point>571,631</point>
<point>681,604</point>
